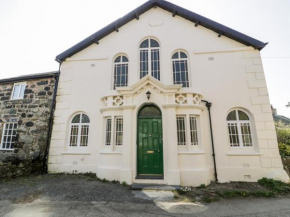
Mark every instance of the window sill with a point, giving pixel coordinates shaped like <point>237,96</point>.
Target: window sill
<point>191,152</point>
<point>244,154</point>
<point>110,152</point>
<point>8,150</point>
<point>75,153</point>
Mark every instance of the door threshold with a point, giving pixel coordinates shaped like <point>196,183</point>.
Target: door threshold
<point>149,177</point>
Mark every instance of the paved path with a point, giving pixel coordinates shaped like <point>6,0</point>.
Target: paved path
<point>246,207</point>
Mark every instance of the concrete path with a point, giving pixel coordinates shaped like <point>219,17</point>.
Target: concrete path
<point>246,207</point>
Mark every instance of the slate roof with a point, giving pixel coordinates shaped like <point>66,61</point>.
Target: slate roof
<point>29,77</point>
<point>176,11</point>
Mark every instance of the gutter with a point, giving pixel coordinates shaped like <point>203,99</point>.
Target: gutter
<point>50,124</point>
<point>208,105</point>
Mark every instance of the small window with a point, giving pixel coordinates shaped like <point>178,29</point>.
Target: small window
<point>239,128</point>
<point>193,131</point>
<point>180,69</point>
<point>9,136</point>
<point>79,131</point>
<point>150,58</point>
<point>181,133</point>
<point>18,91</point>
<point>108,131</point>
<point>121,71</point>
<point>119,131</point>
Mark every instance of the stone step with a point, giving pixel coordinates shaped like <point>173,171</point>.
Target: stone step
<point>140,187</point>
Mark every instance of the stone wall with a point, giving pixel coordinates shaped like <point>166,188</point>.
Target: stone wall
<point>32,115</point>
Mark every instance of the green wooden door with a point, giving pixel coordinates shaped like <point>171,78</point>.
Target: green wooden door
<point>150,149</point>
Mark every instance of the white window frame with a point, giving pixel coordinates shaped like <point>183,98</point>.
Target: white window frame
<point>79,125</point>
<point>239,123</point>
<point>21,84</point>
<point>3,134</point>
<point>120,63</point>
<point>189,147</point>
<point>181,59</point>
<point>113,146</point>
<point>149,49</point>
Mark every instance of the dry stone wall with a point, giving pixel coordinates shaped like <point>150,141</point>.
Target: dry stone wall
<point>32,115</point>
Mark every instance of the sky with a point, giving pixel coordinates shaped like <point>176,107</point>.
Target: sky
<point>33,32</point>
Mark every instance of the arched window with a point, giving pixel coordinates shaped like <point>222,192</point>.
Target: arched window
<point>239,126</point>
<point>180,69</point>
<point>79,131</point>
<point>149,58</point>
<point>121,71</point>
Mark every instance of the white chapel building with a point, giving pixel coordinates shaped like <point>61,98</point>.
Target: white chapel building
<point>165,96</point>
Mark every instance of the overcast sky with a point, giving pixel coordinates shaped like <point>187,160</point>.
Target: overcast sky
<point>33,32</point>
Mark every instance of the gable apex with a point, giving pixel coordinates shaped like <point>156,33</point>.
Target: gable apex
<point>176,10</point>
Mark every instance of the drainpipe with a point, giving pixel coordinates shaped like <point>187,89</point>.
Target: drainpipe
<point>208,105</point>
<point>50,123</point>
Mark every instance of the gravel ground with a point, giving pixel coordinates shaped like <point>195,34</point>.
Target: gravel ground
<point>64,188</point>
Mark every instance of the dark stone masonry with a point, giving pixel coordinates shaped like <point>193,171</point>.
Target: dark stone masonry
<point>32,115</point>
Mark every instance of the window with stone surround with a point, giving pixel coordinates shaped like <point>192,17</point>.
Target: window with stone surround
<point>150,58</point>
<point>8,136</point>
<point>79,131</point>
<point>239,127</point>
<point>180,69</point>
<point>18,90</point>
<point>121,71</point>
<point>114,131</point>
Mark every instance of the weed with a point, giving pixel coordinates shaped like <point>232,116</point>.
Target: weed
<point>104,180</point>
<point>208,199</point>
<point>274,185</point>
<point>181,191</point>
<point>202,186</point>
<point>124,183</point>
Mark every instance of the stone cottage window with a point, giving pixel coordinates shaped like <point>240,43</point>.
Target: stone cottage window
<point>8,136</point>
<point>79,131</point>
<point>18,91</point>
<point>180,69</point>
<point>121,71</point>
<point>150,58</point>
<point>239,127</point>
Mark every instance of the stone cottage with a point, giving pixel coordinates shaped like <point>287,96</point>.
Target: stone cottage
<point>25,116</point>
<point>165,96</point>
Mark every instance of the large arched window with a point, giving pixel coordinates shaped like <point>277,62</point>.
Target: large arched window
<point>121,71</point>
<point>239,127</point>
<point>180,69</point>
<point>79,131</point>
<point>150,58</point>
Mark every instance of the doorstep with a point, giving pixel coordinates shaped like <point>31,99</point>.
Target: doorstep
<point>140,187</point>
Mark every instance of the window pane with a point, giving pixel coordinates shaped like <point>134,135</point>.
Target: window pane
<point>74,135</point>
<point>125,59</point>
<point>9,136</point>
<point>143,63</point>
<point>22,89</point>
<point>76,119</point>
<point>118,59</point>
<point>183,55</point>
<point>232,116</point>
<point>119,131</point>
<point>16,92</point>
<point>181,138</point>
<point>150,111</point>
<point>154,43</point>
<point>243,116</point>
<point>84,135</point>
<point>108,131</point>
<point>180,73</point>
<point>193,131</point>
<point>145,44</point>
<point>121,75</point>
<point>85,119</point>
<point>246,134</point>
<point>233,134</point>
<point>155,68</point>
<point>175,56</point>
